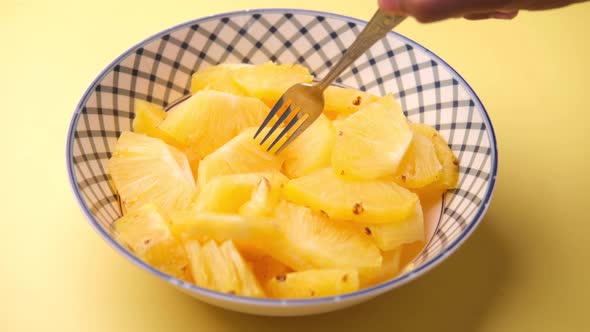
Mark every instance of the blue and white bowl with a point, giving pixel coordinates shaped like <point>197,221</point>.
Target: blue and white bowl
<point>159,70</point>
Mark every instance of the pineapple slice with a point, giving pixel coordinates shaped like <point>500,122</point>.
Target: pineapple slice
<point>314,241</point>
<point>146,232</point>
<point>420,166</point>
<point>256,235</point>
<point>311,151</point>
<point>269,81</point>
<point>242,154</point>
<point>297,237</point>
<point>389,269</point>
<point>198,268</point>
<point>390,236</point>
<point>341,102</point>
<point>148,117</point>
<point>265,196</point>
<point>449,176</point>
<point>145,169</point>
<point>313,283</point>
<point>220,272</point>
<point>218,78</point>
<point>249,285</point>
<point>222,268</point>
<point>209,119</point>
<point>372,142</point>
<point>265,267</point>
<point>227,193</point>
<point>344,198</point>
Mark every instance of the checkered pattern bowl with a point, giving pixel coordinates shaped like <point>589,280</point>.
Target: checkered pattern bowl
<point>159,70</point>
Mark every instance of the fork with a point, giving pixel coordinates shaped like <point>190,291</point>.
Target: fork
<point>306,100</point>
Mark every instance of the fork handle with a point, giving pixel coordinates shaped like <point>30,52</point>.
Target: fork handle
<point>380,24</point>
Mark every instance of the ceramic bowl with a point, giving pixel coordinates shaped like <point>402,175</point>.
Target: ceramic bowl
<point>159,69</point>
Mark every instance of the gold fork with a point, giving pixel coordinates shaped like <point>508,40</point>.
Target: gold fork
<point>306,100</point>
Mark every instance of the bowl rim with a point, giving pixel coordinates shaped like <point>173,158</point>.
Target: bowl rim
<point>366,292</point>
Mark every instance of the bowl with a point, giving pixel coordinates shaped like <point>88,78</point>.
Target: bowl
<point>159,70</point>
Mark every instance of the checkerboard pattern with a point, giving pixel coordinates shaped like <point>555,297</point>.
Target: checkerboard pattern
<point>159,70</point>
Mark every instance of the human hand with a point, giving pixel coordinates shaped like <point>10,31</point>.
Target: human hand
<point>435,10</point>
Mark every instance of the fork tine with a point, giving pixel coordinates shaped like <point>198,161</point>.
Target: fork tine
<point>279,121</point>
<point>308,121</point>
<point>290,125</point>
<point>270,115</point>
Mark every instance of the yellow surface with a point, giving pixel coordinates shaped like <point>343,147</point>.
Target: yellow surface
<point>525,268</point>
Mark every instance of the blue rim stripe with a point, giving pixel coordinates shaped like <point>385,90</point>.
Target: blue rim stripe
<point>372,291</point>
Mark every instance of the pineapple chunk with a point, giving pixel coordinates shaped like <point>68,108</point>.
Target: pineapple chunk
<point>209,119</point>
<point>217,78</point>
<point>145,231</point>
<point>341,102</point>
<point>220,272</point>
<point>297,237</point>
<point>222,268</point>
<point>314,241</point>
<point>242,154</point>
<point>256,235</point>
<point>391,236</point>
<point>420,166</point>
<point>198,269</point>
<point>264,198</point>
<point>313,283</point>
<point>311,151</point>
<point>249,285</point>
<point>148,117</point>
<point>227,193</point>
<point>344,198</point>
<point>269,81</point>
<point>145,169</point>
<point>389,269</point>
<point>450,163</point>
<point>265,267</point>
<point>372,142</point>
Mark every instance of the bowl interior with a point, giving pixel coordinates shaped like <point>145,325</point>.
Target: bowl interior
<point>159,70</point>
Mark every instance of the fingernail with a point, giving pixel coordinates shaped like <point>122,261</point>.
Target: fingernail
<point>504,15</point>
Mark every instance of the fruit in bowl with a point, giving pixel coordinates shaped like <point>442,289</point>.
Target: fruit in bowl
<point>327,209</point>
<point>240,194</point>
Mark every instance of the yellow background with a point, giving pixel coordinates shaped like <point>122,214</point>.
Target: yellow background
<point>526,267</point>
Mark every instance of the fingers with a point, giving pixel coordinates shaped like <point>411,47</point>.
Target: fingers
<point>502,15</point>
<point>435,10</point>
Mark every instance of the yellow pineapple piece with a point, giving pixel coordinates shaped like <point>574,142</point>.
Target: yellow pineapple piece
<point>311,151</point>
<point>254,234</point>
<point>148,117</point>
<point>314,241</point>
<point>392,235</point>
<point>344,198</point>
<point>449,176</point>
<point>420,166</point>
<point>341,102</point>
<point>199,272</point>
<point>145,169</point>
<point>372,142</point>
<point>217,78</point>
<point>220,272</point>
<point>389,269</point>
<point>209,119</point>
<point>265,196</point>
<point>146,232</point>
<point>265,267</point>
<point>249,285</point>
<point>242,154</point>
<point>269,81</point>
<point>313,283</point>
<point>227,193</point>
